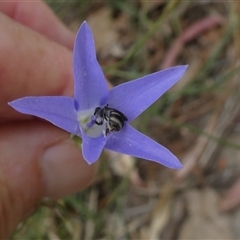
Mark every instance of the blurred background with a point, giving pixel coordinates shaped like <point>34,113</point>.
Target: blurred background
<point>198,120</point>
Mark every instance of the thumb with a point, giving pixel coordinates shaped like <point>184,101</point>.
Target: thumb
<point>37,160</point>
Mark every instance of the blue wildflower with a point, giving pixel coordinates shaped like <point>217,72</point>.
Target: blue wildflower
<point>94,110</point>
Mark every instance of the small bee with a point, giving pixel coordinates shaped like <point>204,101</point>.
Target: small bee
<point>114,118</point>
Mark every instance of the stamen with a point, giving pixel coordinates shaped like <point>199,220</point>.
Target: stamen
<point>87,121</point>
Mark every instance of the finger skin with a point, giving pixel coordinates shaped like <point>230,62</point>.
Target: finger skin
<point>38,16</point>
<point>30,65</point>
<point>22,176</point>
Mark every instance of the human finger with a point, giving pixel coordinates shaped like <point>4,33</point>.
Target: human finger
<point>37,160</point>
<point>39,17</point>
<point>30,65</point>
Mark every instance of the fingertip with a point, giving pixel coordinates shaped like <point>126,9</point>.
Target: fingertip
<point>39,17</point>
<point>64,171</point>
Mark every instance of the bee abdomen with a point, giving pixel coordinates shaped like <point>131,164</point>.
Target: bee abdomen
<point>116,121</point>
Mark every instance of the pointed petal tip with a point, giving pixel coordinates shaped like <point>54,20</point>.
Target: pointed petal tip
<point>14,103</point>
<point>90,162</point>
<point>84,26</point>
<point>182,67</point>
<point>185,66</point>
<point>180,70</point>
<point>173,162</point>
<point>177,165</point>
<point>90,159</point>
<point>10,103</point>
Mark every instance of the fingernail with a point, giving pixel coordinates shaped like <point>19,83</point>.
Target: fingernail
<point>64,170</point>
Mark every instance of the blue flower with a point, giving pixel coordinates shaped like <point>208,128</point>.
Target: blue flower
<point>96,114</point>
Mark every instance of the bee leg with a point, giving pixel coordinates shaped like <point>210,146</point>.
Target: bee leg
<point>99,123</point>
<point>107,132</point>
<point>114,129</point>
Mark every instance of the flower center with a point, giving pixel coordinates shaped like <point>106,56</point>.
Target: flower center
<point>87,121</point>
<point>100,120</point>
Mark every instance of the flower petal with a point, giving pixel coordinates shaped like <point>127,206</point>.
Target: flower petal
<point>57,110</point>
<point>130,141</point>
<point>133,97</point>
<point>90,85</point>
<point>92,147</point>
